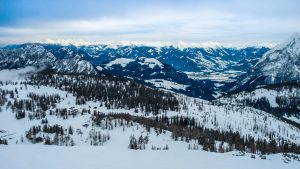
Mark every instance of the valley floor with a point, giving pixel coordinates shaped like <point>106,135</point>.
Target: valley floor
<point>101,157</point>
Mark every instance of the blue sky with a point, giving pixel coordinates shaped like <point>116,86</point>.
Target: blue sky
<point>226,21</point>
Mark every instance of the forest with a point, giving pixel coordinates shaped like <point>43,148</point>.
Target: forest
<point>116,93</point>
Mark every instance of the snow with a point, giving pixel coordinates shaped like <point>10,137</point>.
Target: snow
<point>120,61</point>
<point>165,84</point>
<point>83,157</point>
<point>280,64</point>
<point>293,43</point>
<point>227,76</point>
<point>99,68</point>
<point>293,118</point>
<point>237,119</point>
<point>66,42</point>
<point>157,44</point>
<point>151,62</point>
<point>269,94</point>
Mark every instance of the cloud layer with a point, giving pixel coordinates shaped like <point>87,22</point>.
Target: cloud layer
<point>232,22</point>
<point>18,74</point>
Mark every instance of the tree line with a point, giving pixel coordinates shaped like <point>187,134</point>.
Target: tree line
<point>186,129</point>
<point>112,92</point>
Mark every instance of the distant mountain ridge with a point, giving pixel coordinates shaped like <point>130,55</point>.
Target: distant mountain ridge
<point>39,56</point>
<point>145,64</point>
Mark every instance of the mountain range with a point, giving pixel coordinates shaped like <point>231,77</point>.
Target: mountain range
<point>243,101</point>
<point>197,72</point>
<point>204,72</point>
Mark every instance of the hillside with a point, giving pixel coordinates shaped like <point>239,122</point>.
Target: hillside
<point>281,100</point>
<point>45,107</point>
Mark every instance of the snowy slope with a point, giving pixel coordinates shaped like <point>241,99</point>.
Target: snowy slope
<point>227,117</point>
<point>282,100</point>
<point>244,120</point>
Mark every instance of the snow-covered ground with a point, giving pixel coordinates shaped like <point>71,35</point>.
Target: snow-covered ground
<point>224,77</point>
<point>120,61</point>
<point>87,157</point>
<point>150,62</point>
<point>165,84</point>
<point>270,95</point>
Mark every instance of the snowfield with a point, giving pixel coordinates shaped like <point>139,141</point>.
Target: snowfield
<point>165,84</point>
<point>120,61</point>
<point>87,157</point>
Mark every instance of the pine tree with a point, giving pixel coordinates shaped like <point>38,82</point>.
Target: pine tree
<point>70,130</point>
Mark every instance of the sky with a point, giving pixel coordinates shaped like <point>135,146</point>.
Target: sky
<point>231,22</point>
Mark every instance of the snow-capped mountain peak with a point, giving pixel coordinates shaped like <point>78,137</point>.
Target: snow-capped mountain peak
<point>292,46</point>
<point>181,45</point>
<point>281,63</point>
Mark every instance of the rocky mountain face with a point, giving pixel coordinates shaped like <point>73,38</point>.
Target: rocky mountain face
<point>37,55</point>
<point>282,63</point>
<point>279,65</point>
<point>34,55</point>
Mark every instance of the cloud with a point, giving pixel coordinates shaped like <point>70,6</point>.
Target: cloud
<point>18,74</point>
<point>160,24</point>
